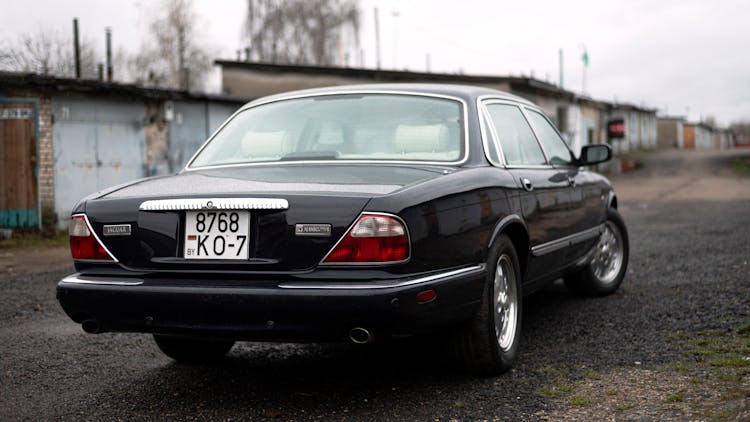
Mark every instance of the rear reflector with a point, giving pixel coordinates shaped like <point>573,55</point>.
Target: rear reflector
<point>426,296</point>
<point>83,242</point>
<point>374,238</point>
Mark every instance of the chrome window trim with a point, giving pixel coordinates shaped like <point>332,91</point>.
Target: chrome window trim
<point>380,285</point>
<point>250,105</point>
<point>486,130</point>
<point>566,241</point>
<point>100,280</point>
<point>322,262</point>
<point>91,229</point>
<point>198,204</point>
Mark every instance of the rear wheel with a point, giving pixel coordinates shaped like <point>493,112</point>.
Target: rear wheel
<point>192,350</point>
<point>604,274</point>
<point>489,343</point>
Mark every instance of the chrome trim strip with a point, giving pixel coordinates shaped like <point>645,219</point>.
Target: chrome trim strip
<point>100,281</point>
<point>91,229</point>
<point>196,204</point>
<point>261,102</point>
<point>347,264</point>
<point>381,285</point>
<point>566,241</point>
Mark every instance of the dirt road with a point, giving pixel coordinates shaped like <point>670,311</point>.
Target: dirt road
<point>673,343</point>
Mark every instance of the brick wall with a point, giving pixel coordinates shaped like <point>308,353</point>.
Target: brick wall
<point>46,162</point>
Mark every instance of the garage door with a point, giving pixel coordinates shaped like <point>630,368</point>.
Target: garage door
<point>97,144</point>
<point>19,206</point>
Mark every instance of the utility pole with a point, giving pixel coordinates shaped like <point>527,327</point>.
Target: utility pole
<point>108,32</point>
<point>395,14</point>
<point>76,48</point>
<point>561,68</point>
<point>377,38</point>
<point>427,62</point>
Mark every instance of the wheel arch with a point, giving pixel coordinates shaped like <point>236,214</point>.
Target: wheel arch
<point>515,228</point>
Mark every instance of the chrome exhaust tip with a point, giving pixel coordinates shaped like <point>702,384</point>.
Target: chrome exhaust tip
<point>359,335</point>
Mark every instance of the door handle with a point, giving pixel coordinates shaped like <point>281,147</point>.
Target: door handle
<point>526,183</point>
<point>571,181</point>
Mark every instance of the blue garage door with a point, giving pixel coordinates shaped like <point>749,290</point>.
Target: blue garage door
<point>97,144</point>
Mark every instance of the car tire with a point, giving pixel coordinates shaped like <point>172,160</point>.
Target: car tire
<point>192,350</point>
<point>606,270</point>
<point>488,344</point>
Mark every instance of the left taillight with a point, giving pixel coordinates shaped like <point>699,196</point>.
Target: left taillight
<point>83,243</point>
<point>373,239</point>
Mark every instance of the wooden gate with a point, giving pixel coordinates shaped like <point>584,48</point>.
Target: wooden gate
<point>19,192</point>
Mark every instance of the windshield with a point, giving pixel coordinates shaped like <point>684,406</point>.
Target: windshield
<point>369,127</point>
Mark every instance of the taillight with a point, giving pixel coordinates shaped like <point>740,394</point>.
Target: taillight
<point>374,238</point>
<point>84,243</point>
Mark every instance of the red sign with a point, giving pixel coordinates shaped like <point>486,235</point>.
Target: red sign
<point>616,128</point>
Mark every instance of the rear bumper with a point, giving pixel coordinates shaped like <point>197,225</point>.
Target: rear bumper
<point>300,311</point>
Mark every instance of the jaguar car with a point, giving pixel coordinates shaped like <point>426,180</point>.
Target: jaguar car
<point>355,214</point>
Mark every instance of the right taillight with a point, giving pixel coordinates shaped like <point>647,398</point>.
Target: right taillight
<point>374,238</point>
<point>83,242</point>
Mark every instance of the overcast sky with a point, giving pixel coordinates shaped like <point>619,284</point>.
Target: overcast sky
<point>683,56</point>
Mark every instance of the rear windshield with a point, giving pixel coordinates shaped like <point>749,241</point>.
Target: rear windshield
<point>350,127</point>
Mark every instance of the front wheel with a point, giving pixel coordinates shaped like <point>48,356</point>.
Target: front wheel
<point>192,350</point>
<point>606,270</point>
<point>489,344</point>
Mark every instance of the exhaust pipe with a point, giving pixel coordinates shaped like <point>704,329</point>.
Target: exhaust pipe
<point>91,326</point>
<point>359,335</point>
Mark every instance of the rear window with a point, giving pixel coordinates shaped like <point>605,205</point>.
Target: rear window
<point>349,127</point>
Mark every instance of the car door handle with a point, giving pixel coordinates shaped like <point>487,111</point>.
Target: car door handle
<point>526,183</point>
<point>571,181</point>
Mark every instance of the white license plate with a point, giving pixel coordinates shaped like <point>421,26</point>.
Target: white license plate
<point>217,234</point>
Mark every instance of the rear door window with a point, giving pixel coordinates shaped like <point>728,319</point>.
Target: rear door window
<point>517,141</point>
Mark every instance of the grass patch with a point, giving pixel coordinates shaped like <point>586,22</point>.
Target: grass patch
<point>678,397</point>
<point>549,370</point>
<point>681,366</point>
<point>744,328</point>
<point>678,335</point>
<point>742,166</point>
<point>624,407</point>
<point>612,392</point>
<point>735,361</point>
<point>555,390</point>
<point>592,375</point>
<point>579,401</point>
<point>32,239</point>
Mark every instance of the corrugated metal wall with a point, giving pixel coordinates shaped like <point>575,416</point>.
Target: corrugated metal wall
<point>97,144</point>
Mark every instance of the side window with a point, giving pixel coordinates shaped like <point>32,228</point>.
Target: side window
<point>558,151</point>
<point>516,138</point>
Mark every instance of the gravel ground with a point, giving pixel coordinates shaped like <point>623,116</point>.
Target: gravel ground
<point>617,357</point>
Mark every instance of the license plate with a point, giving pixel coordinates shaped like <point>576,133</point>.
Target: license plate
<point>217,234</point>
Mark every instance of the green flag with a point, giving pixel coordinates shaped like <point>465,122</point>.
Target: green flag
<point>585,58</point>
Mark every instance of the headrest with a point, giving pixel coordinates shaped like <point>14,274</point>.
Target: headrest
<point>263,144</point>
<point>419,138</point>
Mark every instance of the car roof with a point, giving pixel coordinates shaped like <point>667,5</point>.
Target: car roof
<point>468,93</point>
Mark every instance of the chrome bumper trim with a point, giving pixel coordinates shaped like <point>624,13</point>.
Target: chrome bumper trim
<point>102,281</point>
<point>381,285</point>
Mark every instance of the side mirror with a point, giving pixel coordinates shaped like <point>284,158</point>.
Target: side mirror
<point>595,154</point>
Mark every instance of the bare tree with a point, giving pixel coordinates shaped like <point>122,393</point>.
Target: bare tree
<point>48,53</point>
<point>172,58</point>
<point>300,31</point>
